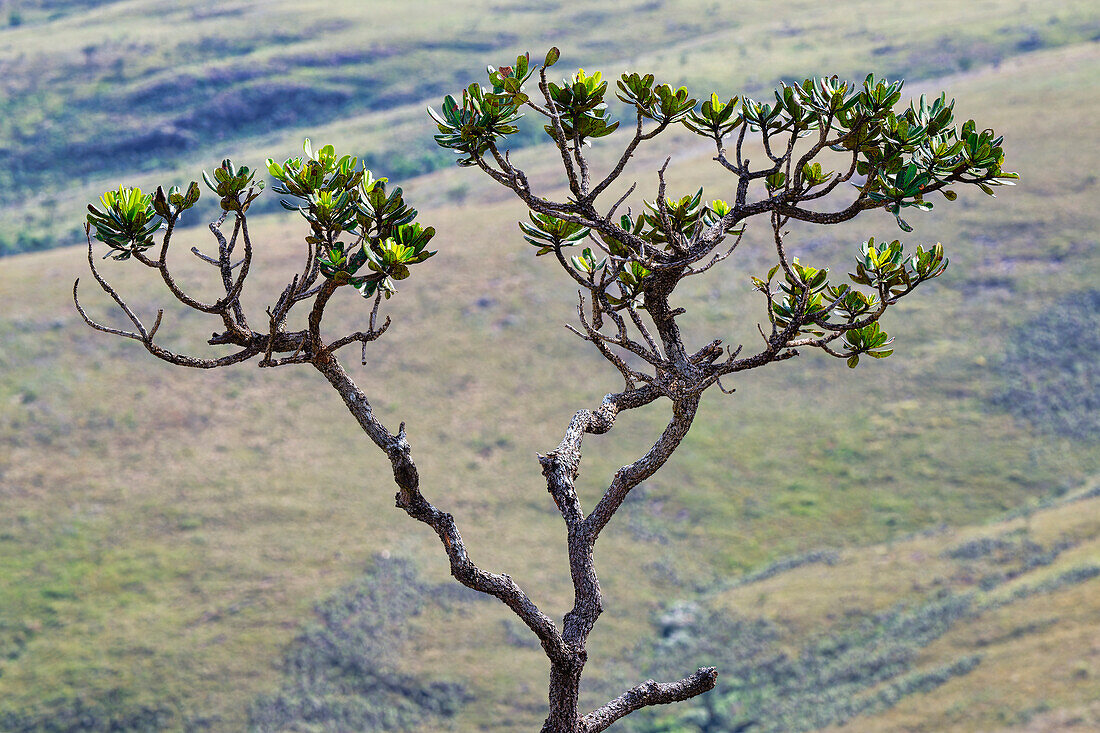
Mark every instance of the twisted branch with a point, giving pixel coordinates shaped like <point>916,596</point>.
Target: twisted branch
<point>647,694</point>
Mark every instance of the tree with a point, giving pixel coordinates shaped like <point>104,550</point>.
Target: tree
<point>360,235</point>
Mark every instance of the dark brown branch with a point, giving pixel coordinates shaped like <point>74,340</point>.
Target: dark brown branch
<point>851,211</point>
<point>630,376</point>
<point>318,312</point>
<point>640,325</point>
<point>360,336</point>
<point>629,476</point>
<point>193,362</point>
<point>617,170</point>
<point>660,286</point>
<point>622,341</point>
<point>210,260</point>
<point>561,465</point>
<point>675,238</point>
<point>837,180</point>
<point>559,135</point>
<point>146,336</point>
<point>493,173</point>
<point>410,499</point>
<point>164,354</point>
<point>780,250</point>
<point>98,326</point>
<point>111,292</point>
<point>646,694</point>
<point>582,163</point>
<point>223,306</point>
<point>716,258</point>
<point>626,156</point>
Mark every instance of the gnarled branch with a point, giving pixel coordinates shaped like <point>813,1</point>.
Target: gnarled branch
<point>649,693</point>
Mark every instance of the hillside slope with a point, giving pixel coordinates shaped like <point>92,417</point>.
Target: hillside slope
<point>165,534</point>
<point>91,91</point>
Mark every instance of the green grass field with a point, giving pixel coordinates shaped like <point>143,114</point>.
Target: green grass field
<point>165,535</point>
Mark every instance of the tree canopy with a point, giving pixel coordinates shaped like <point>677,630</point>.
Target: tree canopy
<point>363,234</point>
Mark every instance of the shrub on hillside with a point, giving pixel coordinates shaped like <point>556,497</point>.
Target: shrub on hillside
<point>343,672</point>
<point>1050,373</point>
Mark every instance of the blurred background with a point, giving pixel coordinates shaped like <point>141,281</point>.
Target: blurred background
<point>912,545</point>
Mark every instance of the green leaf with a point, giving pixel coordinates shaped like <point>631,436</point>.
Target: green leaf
<point>551,57</point>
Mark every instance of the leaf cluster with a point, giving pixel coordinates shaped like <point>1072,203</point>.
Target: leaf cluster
<point>470,126</point>
<point>715,118</point>
<point>579,103</point>
<point>337,197</point>
<point>129,218</point>
<point>660,103</point>
<point>170,205</point>
<point>623,264</point>
<point>234,186</point>
<point>885,267</point>
<point>386,259</point>
<point>127,221</point>
<point>805,295</point>
<point>323,188</point>
<point>904,154</point>
<point>548,232</point>
<point>684,216</point>
<point>894,155</point>
<point>867,340</point>
<point>360,234</point>
<point>800,283</point>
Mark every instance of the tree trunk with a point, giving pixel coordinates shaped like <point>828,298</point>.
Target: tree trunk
<point>565,685</point>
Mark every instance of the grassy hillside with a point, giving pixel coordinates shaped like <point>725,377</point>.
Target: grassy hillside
<point>974,629</point>
<point>94,91</point>
<point>165,534</point>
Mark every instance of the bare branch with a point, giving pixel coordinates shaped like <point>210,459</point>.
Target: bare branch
<point>111,292</point>
<point>640,325</point>
<point>496,175</point>
<point>210,260</point>
<point>559,135</point>
<point>193,362</point>
<point>232,291</point>
<point>582,163</point>
<point>717,258</point>
<point>97,326</point>
<point>318,312</point>
<point>629,476</point>
<point>362,336</point>
<point>410,499</point>
<point>154,349</point>
<point>626,156</point>
<point>622,341</point>
<point>674,237</point>
<point>617,204</point>
<point>649,693</point>
<point>777,224</point>
<point>630,376</point>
